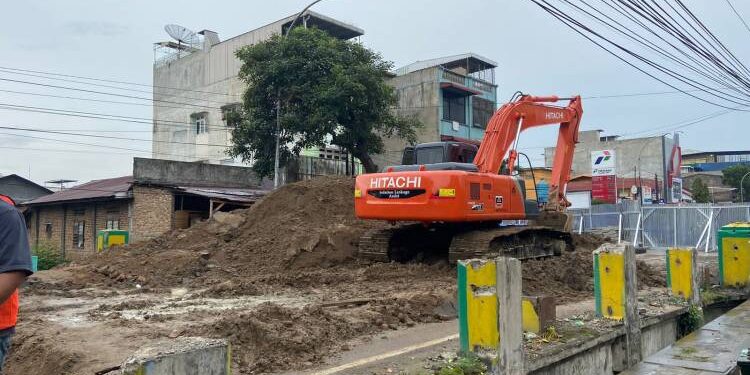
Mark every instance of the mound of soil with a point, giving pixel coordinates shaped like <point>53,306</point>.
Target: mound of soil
<point>302,225</point>
<point>569,278</point>
<point>273,337</point>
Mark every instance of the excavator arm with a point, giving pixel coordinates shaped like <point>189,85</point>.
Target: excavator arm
<point>506,125</point>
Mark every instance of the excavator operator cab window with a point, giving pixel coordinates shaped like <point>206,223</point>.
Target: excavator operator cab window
<point>430,155</point>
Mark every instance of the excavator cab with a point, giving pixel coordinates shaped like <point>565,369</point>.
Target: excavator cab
<point>439,152</point>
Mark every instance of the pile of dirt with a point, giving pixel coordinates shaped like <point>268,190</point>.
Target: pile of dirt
<point>569,278</point>
<point>274,337</point>
<point>301,225</point>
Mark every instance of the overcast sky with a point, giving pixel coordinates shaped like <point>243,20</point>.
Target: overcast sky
<point>113,40</point>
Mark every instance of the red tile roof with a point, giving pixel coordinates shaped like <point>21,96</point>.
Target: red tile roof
<point>583,183</point>
<point>98,189</point>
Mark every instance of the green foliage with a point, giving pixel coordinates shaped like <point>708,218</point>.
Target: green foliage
<point>48,256</point>
<point>469,365</point>
<point>700,191</point>
<point>690,321</point>
<point>731,177</point>
<point>329,90</point>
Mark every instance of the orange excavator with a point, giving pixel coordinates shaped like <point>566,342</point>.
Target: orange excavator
<point>439,202</point>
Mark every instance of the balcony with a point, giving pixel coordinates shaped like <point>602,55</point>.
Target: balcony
<point>472,85</point>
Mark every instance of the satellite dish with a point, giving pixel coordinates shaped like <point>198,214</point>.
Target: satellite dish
<point>181,34</point>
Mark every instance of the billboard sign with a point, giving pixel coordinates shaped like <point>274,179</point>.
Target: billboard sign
<point>603,189</point>
<point>676,189</point>
<point>603,183</point>
<point>603,163</point>
<point>647,195</point>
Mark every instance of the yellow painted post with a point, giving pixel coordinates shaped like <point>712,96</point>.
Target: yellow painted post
<point>609,282</point>
<point>682,274</point>
<point>734,255</point>
<point>477,306</point>
<point>481,306</point>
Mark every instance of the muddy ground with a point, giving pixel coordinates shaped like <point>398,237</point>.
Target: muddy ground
<point>279,280</point>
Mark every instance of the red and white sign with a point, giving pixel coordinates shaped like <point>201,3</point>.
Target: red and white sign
<point>603,189</point>
<point>603,180</point>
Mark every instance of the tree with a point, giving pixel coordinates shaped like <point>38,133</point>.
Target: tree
<point>700,191</point>
<point>329,90</point>
<point>731,177</point>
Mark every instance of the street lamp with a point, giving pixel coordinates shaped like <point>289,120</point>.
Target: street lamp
<point>742,196</point>
<point>278,103</point>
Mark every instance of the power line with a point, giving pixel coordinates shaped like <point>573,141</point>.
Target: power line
<point>115,81</point>
<point>109,137</point>
<point>103,116</point>
<point>107,93</point>
<point>726,65</point>
<point>95,145</point>
<point>738,15</point>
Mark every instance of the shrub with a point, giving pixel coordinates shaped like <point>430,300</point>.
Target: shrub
<point>48,256</point>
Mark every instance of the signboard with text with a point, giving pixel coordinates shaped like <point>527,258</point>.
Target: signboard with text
<point>676,189</point>
<point>603,163</point>
<point>603,180</point>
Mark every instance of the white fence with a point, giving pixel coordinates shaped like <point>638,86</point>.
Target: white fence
<point>689,225</point>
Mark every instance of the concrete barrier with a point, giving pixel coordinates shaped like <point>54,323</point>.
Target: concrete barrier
<point>182,356</point>
<point>616,292</point>
<point>682,274</point>
<point>491,312</point>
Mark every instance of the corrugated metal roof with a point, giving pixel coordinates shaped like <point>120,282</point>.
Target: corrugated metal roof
<point>440,61</point>
<point>118,187</point>
<point>231,195</point>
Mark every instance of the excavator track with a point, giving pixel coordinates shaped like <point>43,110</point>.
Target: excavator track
<point>409,242</point>
<point>374,244</point>
<point>522,242</point>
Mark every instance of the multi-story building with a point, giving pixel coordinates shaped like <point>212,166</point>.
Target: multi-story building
<point>714,160</point>
<point>196,84</point>
<point>647,158</point>
<point>453,96</point>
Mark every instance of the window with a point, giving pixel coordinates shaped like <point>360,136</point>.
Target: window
<point>733,158</point>
<point>231,114</point>
<point>48,230</point>
<point>430,155</point>
<point>199,119</point>
<point>113,224</point>
<point>454,107</point>
<point>79,234</point>
<point>481,112</point>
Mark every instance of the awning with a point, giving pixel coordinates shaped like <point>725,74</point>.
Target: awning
<point>225,194</point>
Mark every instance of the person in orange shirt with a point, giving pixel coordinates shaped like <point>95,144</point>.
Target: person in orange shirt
<point>15,267</point>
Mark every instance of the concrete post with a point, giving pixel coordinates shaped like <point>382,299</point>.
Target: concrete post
<point>509,322</point>
<point>616,292</point>
<point>683,276</point>
<point>184,356</point>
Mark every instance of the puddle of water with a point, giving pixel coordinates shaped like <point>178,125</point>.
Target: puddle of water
<point>173,306</point>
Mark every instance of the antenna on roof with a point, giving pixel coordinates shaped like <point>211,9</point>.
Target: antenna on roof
<point>182,35</point>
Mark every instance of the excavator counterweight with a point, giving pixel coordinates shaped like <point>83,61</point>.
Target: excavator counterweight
<point>462,207</point>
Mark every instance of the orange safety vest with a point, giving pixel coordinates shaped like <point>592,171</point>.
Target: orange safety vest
<point>9,308</point>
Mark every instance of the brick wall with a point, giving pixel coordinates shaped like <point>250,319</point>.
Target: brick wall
<point>55,225</point>
<point>153,212</point>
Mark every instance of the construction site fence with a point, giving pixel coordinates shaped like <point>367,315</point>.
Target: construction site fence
<point>308,167</point>
<point>661,226</point>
